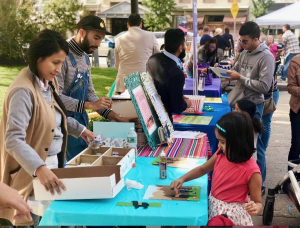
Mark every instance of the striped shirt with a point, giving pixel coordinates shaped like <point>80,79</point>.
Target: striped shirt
<point>65,79</point>
<point>291,42</point>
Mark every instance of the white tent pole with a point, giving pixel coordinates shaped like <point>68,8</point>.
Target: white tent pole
<point>195,56</point>
<point>234,29</point>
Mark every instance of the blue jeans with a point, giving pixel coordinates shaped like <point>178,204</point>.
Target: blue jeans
<point>286,65</point>
<point>266,120</point>
<point>260,148</point>
<point>295,142</point>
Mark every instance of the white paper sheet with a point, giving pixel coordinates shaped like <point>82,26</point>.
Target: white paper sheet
<point>222,73</point>
<point>187,134</point>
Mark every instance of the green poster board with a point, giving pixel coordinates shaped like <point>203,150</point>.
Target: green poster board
<point>159,107</point>
<point>144,109</point>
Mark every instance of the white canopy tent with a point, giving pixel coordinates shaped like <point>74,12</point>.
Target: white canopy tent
<point>286,15</point>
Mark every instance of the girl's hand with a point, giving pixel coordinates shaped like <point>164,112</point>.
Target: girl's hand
<point>49,180</point>
<point>87,133</point>
<point>216,64</point>
<point>251,208</point>
<point>176,184</point>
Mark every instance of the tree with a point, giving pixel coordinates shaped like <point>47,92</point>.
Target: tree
<point>61,15</point>
<point>159,18</point>
<point>18,26</point>
<point>21,21</point>
<point>260,7</point>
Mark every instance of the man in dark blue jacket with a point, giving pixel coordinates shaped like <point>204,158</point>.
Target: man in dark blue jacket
<point>167,73</point>
<point>229,38</point>
<point>205,36</point>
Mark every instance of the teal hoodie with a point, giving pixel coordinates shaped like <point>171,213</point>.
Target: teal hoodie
<point>257,69</point>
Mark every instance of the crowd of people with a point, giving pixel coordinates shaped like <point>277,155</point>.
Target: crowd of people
<point>54,90</point>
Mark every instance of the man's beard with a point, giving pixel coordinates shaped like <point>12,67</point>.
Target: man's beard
<point>85,46</point>
<point>182,54</point>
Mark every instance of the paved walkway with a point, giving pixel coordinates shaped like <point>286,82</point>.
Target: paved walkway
<point>276,156</point>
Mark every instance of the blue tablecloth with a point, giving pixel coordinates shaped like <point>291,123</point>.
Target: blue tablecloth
<point>105,212</point>
<point>213,90</point>
<point>219,111</point>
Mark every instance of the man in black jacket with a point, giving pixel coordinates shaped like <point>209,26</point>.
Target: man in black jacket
<point>166,71</point>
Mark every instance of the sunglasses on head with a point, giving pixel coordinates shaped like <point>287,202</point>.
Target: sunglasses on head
<point>212,47</point>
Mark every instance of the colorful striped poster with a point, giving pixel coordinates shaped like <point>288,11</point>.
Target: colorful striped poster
<point>185,148</point>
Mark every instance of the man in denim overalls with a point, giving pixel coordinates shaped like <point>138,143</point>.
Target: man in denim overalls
<point>75,83</point>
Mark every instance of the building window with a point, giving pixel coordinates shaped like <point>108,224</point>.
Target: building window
<point>215,18</point>
<point>232,0</point>
<point>185,1</point>
<point>208,1</point>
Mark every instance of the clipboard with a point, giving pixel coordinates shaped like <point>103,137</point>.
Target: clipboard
<point>144,109</point>
<point>221,73</point>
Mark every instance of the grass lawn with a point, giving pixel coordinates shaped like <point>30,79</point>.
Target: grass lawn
<point>102,78</point>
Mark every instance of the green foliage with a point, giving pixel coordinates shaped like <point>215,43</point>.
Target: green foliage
<point>260,7</point>
<point>159,18</point>
<point>20,22</point>
<point>98,119</point>
<point>17,27</point>
<point>61,15</point>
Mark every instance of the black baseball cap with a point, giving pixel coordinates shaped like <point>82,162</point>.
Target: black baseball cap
<point>92,22</point>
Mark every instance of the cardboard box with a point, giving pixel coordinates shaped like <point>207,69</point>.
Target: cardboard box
<point>92,182</point>
<point>92,174</point>
<point>127,155</point>
<point>88,157</point>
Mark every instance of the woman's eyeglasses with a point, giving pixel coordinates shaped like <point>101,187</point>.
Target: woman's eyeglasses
<point>212,47</point>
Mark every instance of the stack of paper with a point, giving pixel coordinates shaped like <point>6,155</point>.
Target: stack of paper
<point>122,96</point>
<point>188,134</point>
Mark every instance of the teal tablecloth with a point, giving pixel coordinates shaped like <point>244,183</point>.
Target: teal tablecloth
<point>105,212</point>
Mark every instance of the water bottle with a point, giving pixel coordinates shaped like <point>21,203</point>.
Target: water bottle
<point>162,166</point>
<point>201,82</point>
<point>132,140</point>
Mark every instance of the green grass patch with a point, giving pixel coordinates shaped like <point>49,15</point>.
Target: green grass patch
<point>7,75</point>
<point>102,78</point>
